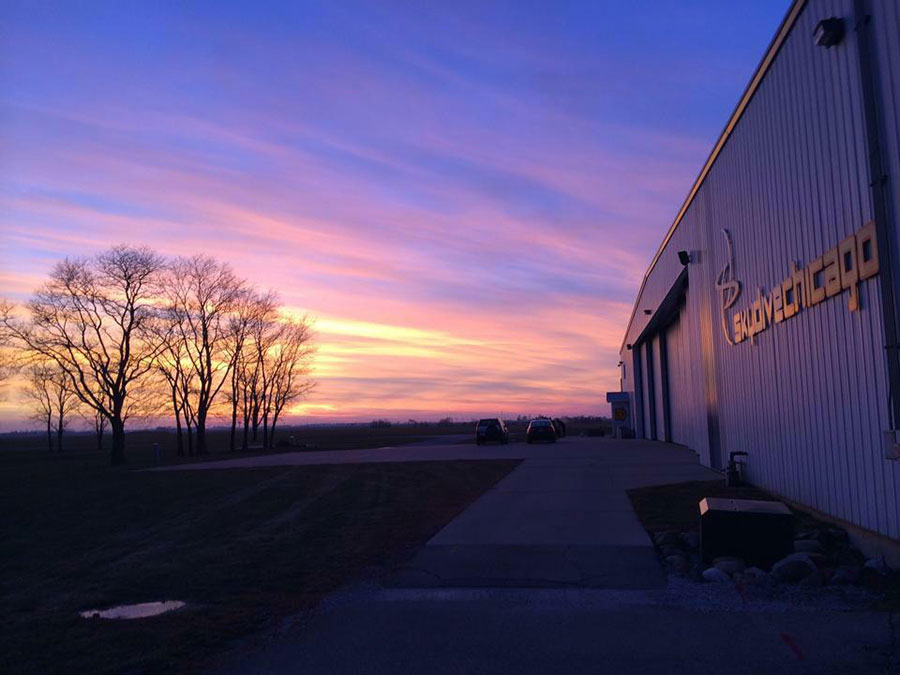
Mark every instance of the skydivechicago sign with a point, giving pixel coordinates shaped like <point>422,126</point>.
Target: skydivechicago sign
<point>840,269</point>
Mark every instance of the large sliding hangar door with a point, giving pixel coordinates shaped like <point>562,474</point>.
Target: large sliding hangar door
<point>769,319</point>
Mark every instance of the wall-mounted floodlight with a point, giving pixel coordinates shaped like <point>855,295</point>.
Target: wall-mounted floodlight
<point>684,257</point>
<point>628,346</point>
<point>648,312</point>
<point>829,32</point>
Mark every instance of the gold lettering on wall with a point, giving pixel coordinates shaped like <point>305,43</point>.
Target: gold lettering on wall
<point>839,269</point>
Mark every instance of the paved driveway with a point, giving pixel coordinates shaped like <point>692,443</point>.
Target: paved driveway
<point>561,518</point>
<point>647,456</point>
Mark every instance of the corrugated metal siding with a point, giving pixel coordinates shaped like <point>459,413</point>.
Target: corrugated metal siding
<point>886,30</point>
<point>808,400</point>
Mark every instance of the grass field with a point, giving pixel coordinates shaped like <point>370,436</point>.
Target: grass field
<point>243,548</point>
<point>139,443</point>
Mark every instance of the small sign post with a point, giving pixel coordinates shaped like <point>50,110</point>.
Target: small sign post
<point>620,402</point>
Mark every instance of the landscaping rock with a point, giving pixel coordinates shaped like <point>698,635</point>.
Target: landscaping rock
<point>671,550</point>
<point>755,575</point>
<point>814,580</point>
<point>715,575</point>
<point>690,539</point>
<point>835,536</point>
<point>807,546</point>
<point>846,574</point>
<point>793,568</point>
<point>877,565</point>
<point>667,539</point>
<point>678,563</point>
<point>729,565</point>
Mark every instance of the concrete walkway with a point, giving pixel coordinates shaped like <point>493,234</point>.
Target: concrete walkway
<point>561,518</point>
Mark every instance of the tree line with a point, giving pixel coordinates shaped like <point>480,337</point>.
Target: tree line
<point>130,333</point>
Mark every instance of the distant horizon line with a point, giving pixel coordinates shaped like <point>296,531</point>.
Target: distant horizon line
<point>408,421</point>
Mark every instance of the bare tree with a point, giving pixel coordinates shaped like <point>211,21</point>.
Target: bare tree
<point>202,296</point>
<point>250,381</point>
<point>171,364</point>
<point>273,369</point>
<point>289,369</point>
<point>92,319</point>
<point>53,400</point>
<point>251,307</point>
<point>8,362</point>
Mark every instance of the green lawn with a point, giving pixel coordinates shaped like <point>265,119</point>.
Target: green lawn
<point>243,548</point>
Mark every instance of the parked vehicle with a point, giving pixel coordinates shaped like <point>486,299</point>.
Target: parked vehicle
<point>541,430</point>
<point>491,429</point>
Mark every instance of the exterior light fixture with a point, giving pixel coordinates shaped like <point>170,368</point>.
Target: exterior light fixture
<point>829,32</point>
<point>628,346</point>
<point>648,312</point>
<point>684,257</point>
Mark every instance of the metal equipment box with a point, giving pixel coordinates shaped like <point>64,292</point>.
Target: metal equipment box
<point>760,532</point>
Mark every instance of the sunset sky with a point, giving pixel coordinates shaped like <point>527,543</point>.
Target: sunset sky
<point>464,194</point>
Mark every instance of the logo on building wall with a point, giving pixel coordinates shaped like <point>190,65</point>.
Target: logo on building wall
<point>729,289</point>
<point>839,269</point>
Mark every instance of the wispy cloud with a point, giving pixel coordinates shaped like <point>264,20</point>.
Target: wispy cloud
<point>466,196</point>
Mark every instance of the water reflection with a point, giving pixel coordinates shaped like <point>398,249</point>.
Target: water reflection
<point>139,611</point>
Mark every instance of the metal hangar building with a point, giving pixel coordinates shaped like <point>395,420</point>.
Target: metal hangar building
<point>768,321</point>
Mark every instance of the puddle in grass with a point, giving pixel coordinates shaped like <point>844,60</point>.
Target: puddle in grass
<point>139,611</point>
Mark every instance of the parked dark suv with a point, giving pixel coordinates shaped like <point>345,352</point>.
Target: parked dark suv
<point>541,429</point>
<point>491,429</point>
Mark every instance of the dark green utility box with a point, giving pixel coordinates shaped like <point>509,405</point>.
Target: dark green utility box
<point>760,532</point>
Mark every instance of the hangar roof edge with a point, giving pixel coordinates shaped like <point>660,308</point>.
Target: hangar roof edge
<point>774,46</point>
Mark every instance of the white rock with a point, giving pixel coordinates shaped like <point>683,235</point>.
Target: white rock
<point>714,574</point>
<point>730,565</point>
<point>793,568</point>
<point>755,575</point>
<point>878,565</point>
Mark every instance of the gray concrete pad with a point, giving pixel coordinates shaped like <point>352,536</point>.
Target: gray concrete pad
<point>561,518</point>
<point>549,631</point>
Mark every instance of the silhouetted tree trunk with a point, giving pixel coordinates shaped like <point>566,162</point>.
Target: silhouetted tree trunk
<point>117,455</point>
<point>190,439</point>
<point>98,430</point>
<point>179,434</point>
